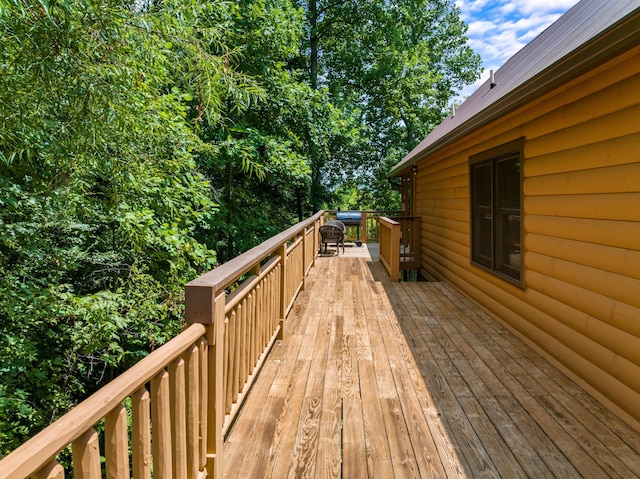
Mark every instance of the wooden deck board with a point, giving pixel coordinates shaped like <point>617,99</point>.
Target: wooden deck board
<point>395,380</point>
<point>377,446</point>
<point>330,436</point>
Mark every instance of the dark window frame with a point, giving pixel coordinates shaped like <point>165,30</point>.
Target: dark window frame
<point>496,221</point>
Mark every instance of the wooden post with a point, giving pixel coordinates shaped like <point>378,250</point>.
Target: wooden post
<point>202,305</point>
<point>141,434</point>
<point>390,237</point>
<point>86,456</point>
<point>203,352</point>
<point>115,441</point>
<point>53,470</point>
<point>193,386</point>
<point>177,386</point>
<point>215,413</point>
<point>161,426</point>
<point>394,259</point>
<point>363,228</point>
<point>304,258</point>
<point>316,226</point>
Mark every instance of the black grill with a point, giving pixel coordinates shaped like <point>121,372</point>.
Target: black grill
<point>351,218</point>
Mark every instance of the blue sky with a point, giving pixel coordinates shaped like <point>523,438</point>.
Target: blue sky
<point>500,28</point>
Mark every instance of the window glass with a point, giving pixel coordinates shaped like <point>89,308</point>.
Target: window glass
<point>509,254</point>
<point>508,183</point>
<point>482,214</point>
<point>482,185</point>
<point>495,211</point>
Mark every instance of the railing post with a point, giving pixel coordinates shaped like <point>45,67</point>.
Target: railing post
<point>86,456</point>
<point>304,258</point>
<point>202,305</point>
<point>390,237</point>
<point>52,471</point>
<point>363,228</point>
<point>394,259</point>
<point>316,225</point>
<point>215,440</point>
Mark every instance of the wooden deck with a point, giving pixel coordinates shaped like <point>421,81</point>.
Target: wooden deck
<point>376,379</point>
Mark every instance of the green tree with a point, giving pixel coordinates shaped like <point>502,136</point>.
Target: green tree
<point>101,199</point>
<point>395,65</point>
<point>258,162</point>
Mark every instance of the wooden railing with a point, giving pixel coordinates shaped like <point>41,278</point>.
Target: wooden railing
<point>410,244</point>
<point>167,415</point>
<point>167,388</point>
<point>369,224</point>
<point>399,244</point>
<point>390,236</point>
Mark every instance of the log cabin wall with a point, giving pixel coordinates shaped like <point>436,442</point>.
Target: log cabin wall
<point>580,300</point>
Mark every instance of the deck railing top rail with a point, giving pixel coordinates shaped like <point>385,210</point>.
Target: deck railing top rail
<point>226,274</point>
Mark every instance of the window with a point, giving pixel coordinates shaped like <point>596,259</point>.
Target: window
<point>495,210</point>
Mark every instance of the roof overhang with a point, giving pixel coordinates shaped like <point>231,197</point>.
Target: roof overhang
<point>608,44</point>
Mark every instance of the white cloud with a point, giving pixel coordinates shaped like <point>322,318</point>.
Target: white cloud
<point>500,28</point>
<point>538,7</point>
<point>467,6</point>
<point>479,28</point>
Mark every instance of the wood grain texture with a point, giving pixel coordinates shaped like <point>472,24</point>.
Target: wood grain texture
<point>382,380</point>
<point>115,444</point>
<point>193,386</point>
<point>141,434</point>
<point>53,470</point>
<point>178,395</point>
<point>86,456</point>
<point>161,421</point>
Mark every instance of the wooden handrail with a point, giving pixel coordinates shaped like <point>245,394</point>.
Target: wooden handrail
<point>390,236</point>
<point>244,325</point>
<point>40,450</point>
<point>197,380</point>
<point>227,273</point>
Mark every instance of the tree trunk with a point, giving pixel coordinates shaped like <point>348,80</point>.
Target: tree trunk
<point>230,252</point>
<point>313,44</point>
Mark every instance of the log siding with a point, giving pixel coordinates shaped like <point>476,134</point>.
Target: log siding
<point>581,182</point>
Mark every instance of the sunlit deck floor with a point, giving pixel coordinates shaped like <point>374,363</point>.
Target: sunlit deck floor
<point>375,379</point>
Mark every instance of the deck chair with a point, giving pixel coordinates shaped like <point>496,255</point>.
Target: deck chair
<point>332,232</point>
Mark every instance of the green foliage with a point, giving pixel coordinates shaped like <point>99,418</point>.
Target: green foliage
<point>142,143</point>
<point>392,66</point>
<point>103,208</point>
<point>259,166</point>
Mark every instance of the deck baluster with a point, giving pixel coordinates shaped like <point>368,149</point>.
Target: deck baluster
<point>161,423</point>
<point>53,470</point>
<point>86,456</point>
<point>116,442</point>
<point>178,418</point>
<point>141,434</point>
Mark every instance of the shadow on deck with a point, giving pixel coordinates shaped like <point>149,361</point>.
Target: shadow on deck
<point>390,380</point>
